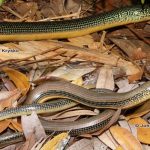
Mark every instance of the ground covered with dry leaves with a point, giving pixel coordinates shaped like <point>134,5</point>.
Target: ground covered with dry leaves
<point>117,59</point>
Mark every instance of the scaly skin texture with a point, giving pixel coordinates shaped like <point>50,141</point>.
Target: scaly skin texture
<point>51,89</point>
<point>63,89</point>
<point>82,126</point>
<point>73,95</point>
<point>18,31</point>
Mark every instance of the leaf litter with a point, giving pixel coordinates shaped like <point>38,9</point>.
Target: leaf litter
<point>117,60</point>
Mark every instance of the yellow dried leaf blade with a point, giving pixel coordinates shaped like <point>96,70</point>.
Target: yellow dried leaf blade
<point>138,121</point>
<point>143,129</point>
<point>20,80</point>
<point>17,126</point>
<point>119,148</point>
<point>4,124</point>
<point>81,41</point>
<point>145,108</point>
<point>50,145</point>
<point>144,135</point>
<point>125,138</point>
<point>12,127</point>
<point>78,81</point>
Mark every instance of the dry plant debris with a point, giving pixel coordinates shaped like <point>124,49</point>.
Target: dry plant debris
<point>117,60</point>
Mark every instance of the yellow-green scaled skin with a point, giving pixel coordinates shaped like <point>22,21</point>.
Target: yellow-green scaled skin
<point>18,31</point>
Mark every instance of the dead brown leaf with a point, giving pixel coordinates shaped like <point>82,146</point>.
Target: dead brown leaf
<point>8,84</point>
<point>19,79</point>
<point>108,140</point>
<point>13,97</point>
<point>105,79</point>
<point>72,6</point>
<point>15,125</point>
<point>81,41</point>
<point>38,145</point>
<point>27,9</point>
<point>119,148</point>
<point>28,143</point>
<point>58,142</point>
<point>134,72</point>
<point>125,86</point>
<point>83,144</point>
<point>125,138</point>
<point>98,145</point>
<point>31,124</point>
<point>135,77</point>
<point>143,129</point>
<point>4,125</point>
<point>132,49</point>
<point>11,147</point>
<point>7,94</point>
<point>32,47</point>
<point>124,124</point>
<point>71,73</point>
